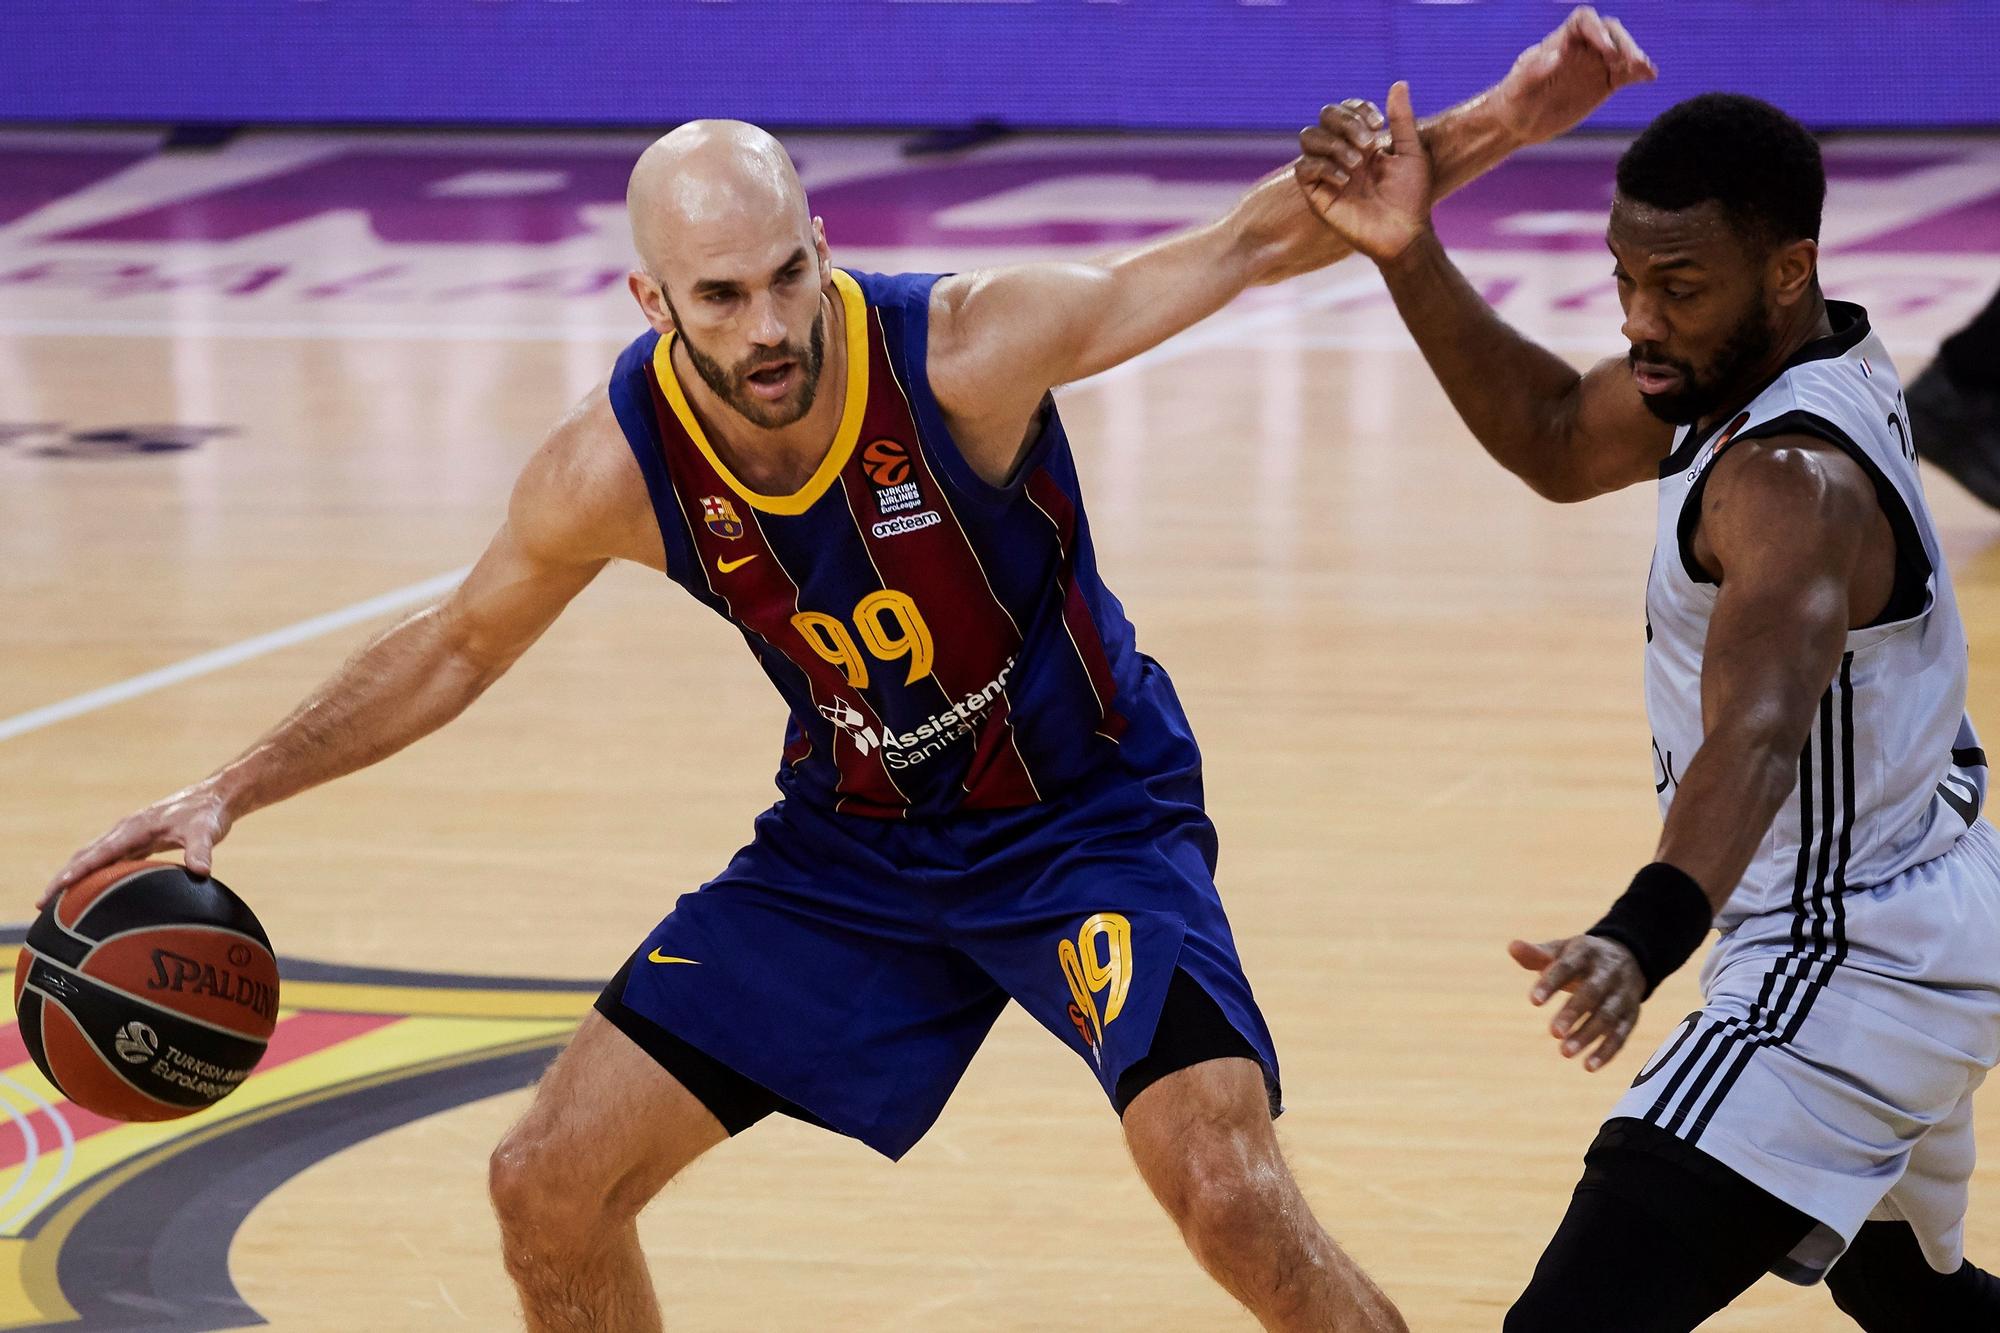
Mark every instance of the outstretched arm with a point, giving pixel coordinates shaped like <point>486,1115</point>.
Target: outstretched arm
<point>564,521</point>
<point>1002,338</point>
<point>1568,435</point>
<point>1793,530</point>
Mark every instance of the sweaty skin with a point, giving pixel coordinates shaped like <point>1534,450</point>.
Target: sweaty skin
<point>1789,525</point>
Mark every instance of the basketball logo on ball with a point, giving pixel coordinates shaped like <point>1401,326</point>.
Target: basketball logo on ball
<point>145,993</point>
<point>137,1043</point>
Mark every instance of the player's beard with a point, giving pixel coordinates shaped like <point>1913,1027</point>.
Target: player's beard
<point>727,383</point>
<point>1746,348</point>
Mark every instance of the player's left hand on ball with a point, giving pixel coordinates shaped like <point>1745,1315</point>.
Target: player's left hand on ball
<point>1605,987</point>
<point>1564,77</point>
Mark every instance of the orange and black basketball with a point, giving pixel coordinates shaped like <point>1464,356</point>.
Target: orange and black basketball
<point>146,993</point>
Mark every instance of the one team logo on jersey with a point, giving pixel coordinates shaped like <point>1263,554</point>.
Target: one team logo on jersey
<point>720,516</point>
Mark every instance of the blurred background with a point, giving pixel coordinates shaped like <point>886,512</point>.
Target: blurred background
<point>1044,64</point>
<point>290,288</point>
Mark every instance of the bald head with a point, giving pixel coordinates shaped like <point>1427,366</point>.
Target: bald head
<point>713,188</point>
<point>734,266</point>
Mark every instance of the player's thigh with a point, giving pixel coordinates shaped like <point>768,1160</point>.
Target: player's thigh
<point>607,1124</point>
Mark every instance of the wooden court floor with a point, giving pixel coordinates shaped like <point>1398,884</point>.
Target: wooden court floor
<point>1417,686</point>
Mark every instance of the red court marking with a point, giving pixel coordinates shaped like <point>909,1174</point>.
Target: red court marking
<point>310,1030</point>
<point>297,1037</point>
<point>13,1047</point>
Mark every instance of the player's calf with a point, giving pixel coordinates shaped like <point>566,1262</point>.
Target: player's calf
<point>1884,1284</point>
<point>1203,1141</point>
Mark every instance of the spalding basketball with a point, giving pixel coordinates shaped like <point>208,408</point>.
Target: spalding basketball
<point>145,993</point>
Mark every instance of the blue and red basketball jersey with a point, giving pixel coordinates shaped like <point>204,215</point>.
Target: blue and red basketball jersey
<point>943,644</point>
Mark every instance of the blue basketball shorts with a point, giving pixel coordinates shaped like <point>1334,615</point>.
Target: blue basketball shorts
<point>853,966</point>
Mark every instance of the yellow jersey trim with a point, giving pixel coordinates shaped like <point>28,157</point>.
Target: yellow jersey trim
<point>855,308</point>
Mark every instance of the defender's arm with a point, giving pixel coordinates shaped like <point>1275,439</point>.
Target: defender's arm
<point>1787,523</point>
<point>566,519</point>
<point>1569,436</point>
<point>1792,529</point>
<point>1002,338</point>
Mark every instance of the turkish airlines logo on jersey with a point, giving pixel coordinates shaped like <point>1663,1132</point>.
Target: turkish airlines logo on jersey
<point>887,464</point>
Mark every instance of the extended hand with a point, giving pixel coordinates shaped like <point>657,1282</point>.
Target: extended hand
<point>1378,201</point>
<point>1605,987</point>
<point>1564,77</point>
<point>194,819</point>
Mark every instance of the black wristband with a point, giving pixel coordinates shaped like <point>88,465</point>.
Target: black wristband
<point>1662,919</point>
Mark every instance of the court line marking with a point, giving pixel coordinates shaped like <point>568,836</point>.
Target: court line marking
<point>64,1164</point>
<point>203,664</point>
<point>31,1147</point>
<point>1218,328</point>
<point>1245,327</point>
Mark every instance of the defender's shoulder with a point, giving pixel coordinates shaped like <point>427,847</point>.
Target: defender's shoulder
<point>1788,478</point>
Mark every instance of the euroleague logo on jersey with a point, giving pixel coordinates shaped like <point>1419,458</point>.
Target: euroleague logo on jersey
<point>887,463</point>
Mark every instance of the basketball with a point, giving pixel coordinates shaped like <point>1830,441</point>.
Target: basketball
<point>145,993</point>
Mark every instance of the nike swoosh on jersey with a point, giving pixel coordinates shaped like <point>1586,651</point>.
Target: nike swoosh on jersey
<point>657,957</point>
<point>726,565</point>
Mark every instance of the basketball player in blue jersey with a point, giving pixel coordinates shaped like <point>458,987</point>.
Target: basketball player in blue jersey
<point>1818,776</point>
<point>988,792</point>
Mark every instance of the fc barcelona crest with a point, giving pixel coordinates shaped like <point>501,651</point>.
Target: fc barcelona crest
<point>720,516</point>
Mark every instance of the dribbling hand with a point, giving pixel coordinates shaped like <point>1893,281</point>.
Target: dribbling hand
<point>193,819</point>
<point>1605,987</point>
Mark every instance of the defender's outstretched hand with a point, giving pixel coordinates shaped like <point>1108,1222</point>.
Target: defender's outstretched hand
<point>1377,201</point>
<point>1564,77</point>
<point>194,820</point>
<point>1553,85</point>
<point>1605,985</point>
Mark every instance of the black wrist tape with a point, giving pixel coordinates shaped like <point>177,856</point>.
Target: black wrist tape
<point>1662,919</point>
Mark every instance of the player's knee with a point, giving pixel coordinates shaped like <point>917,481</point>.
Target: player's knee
<point>519,1179</point>
<point>538,1186</point>
<point>1226,1193</point>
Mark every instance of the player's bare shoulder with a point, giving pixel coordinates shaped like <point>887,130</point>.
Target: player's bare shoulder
<point>581,497</point>
<point>1793,481</point>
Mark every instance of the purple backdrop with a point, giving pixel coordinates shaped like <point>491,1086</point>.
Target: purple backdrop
<point>1135,63</point>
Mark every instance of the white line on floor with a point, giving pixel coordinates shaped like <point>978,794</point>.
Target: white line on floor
<point>1203,336</point>
<point>204,663</point>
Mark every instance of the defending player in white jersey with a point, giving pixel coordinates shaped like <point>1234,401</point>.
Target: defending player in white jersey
<point>1820,784</point>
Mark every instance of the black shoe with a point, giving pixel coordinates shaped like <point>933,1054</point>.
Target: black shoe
<point>1957,428</point>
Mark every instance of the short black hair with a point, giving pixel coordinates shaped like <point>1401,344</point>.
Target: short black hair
<point>1753,159</point>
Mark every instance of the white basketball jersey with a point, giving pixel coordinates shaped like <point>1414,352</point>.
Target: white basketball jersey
<point>1892,774</point>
